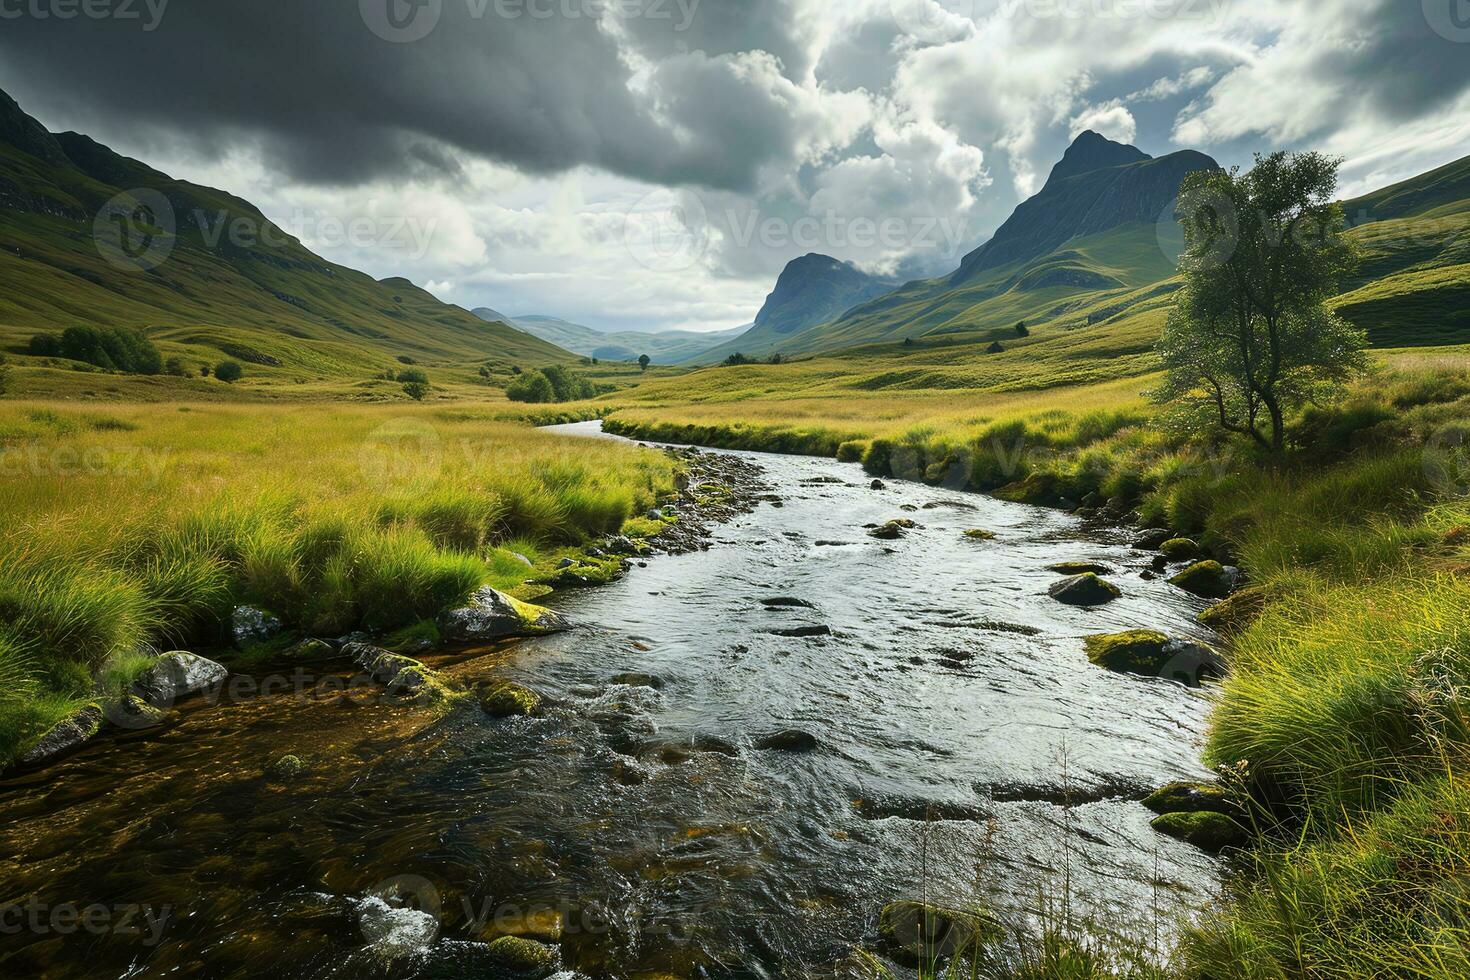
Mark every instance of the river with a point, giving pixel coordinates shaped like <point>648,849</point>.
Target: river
<point>966,751</point>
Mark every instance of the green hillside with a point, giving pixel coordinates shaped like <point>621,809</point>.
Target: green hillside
<point>223,281</point>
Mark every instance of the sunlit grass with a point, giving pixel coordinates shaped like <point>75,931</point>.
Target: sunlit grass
<point>148,523</point>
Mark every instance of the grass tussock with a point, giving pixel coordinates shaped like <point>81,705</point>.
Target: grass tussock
<point>151,527</point>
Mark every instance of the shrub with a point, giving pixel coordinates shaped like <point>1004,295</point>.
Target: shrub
<point>415,383</point>
<point>229,371</point>
<point>175,367</point>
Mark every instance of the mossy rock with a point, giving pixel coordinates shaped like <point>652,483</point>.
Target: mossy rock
<point>1207,830</point>
<point>541,925</point>
<point>1086,589</point>
<point>313,650</point>
<point>1180,549</point>
<point>1132,652</point>
<point>916,934</point>
<point>1185,797</point>
<point>1079,568</point>
<point>1236,612</point>
<point>522,958</point>
<point>891,531</point>
<point>507,700</point>
<point>980,534</point>
<point>285,769</point>
<point>1207,579</point>
<point>1036,488</point>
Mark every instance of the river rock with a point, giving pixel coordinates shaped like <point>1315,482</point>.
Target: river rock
<point>786,602</point>
<point>1084,590</point>
<point>313,650</point>
<point>1235,613</point>
<point>915,933</point>
<point>879,485</point>
<point>133,713</point>
<point>790,740</point>
<point>1185,797</point>
<point>621,544</point>
<point>636,679</point>
<point>893,530</point>
<point>396,933</point>
<point>250,626</point>
<point>524,959</point>
<point>403,677</point>
<point>507,700</point>
<point>980,534</point>
<point>1180,549</point>
<point>1207,830</point>
<point>65,736</point>
<point>1153,654</point>
<point>177,675</point>
<point>493,615</point>
<point>1154,539</point>
<point>540,925</point>
<point>1079,568</point>
<point>799,632</point>
<point>1207,579</point>
<point>285,769</point>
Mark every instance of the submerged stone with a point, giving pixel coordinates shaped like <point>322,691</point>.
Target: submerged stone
<point>507,700</point>
<point>790,740</point>
<point>493,615</point>
<point>636,679</point>
<point>1207,830</point>
<point>524,959</point>
<point>980,534</point>
<point>285,769</point>
<point>915,933</point>
<point>1079,568</point>
<point>1154,539</point>
<point>541,925</point>
<point>1084,590</point>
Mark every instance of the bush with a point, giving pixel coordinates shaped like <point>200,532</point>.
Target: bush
<point>175,367</point>
<point>229,371</point>
<point>110,348</point>
<point>551,384</point>
<point>415,383</point>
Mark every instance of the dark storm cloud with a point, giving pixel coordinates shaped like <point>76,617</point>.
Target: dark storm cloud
<point>538,84</point>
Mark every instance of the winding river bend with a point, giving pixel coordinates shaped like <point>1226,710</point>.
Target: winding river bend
<point>966,750</point>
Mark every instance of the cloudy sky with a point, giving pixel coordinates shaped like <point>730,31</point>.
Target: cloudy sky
<point>652,164</point>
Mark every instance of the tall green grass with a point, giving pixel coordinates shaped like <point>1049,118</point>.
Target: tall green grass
<point>151,528</point>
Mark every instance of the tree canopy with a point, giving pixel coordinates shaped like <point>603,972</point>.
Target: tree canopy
<point>1250,338</point>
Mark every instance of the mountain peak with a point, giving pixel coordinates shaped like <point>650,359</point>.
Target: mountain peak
<point>24,133</point>
<point>1093,151</point>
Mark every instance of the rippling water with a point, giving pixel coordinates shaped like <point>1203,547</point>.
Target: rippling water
<point>952,704</point>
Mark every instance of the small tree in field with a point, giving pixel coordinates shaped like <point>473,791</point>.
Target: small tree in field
<point>1250,339</point>
<point>644,360</point>
<point>229,371</point>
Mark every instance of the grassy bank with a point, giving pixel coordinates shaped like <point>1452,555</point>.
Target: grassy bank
<point>130,524</point>
<point>1345,722</point>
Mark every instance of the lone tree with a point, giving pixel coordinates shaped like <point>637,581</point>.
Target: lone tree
<point>1022,330</point>
<point>229,371</point>
<point>644,360</point>
<point>1251,339</point>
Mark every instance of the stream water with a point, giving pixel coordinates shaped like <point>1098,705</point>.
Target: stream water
<point>966,751</point>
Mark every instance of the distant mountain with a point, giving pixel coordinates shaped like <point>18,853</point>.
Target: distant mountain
<point>667,347</point>
<point>212,276</point>
<point>810,290</point>
<point>1091,233</point>
<point>1099,185</point>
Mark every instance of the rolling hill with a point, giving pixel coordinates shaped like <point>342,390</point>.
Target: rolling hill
<point>666,347</point>
<point>89,237</point>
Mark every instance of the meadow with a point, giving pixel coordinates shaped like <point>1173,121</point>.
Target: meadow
<point>148,523</point>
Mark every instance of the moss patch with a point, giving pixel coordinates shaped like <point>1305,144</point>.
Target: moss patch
<point>1206,830</point>
<point>1134,651</point>
<point>1206,579</point>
